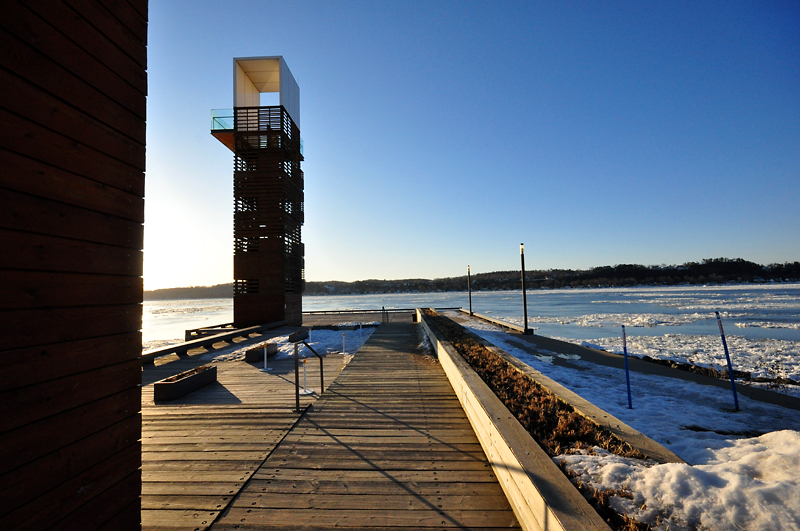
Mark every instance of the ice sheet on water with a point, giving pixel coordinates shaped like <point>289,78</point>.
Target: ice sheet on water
<point>768,324</point>
<point>766,358</point>
<point>645,320</point>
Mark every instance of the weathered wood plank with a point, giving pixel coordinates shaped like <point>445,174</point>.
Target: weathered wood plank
<point>365,501</point>
<point>184,502</point>
<point>104,506</point>
<point>44,327</point>
<point>61,501</point>
<point>39,143</point>
<point>95,42</point>
<point>39,252</point>
<point>27,443</point>
<point>34,365</point>
<point>45,59</point>
<point>47,181</point>
<point>49,471</point>
<point>51,113</point>
<point>29,404</point>
<point>36,289</point>
<point>177,519</point>
<point>370,518</point>
<point>301,474</point>
<point>385,486</point>
<point>126,25</point>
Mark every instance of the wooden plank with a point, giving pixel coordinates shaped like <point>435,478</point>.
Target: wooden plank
<point>63,500</point>
<point>30,404</point>
<point>379,452</point>
<point>371,518</point>
<point>38,477</point>
<point>368,463</point>
<point>235,478</point>
<point>27,443</point>
<point>177,519</point>
<point>152,456</point>
<point>34,365</point>
<point>50,112</point>
<point>105,506</point>
<point>37,178</point>
<point>140,6</point>
<point>37,252</point>
<point>408,502</point>
<point>39,143</point>
<point>44,327</point>
<point>299,474</point>
<point>75,66</point>
<point>40,289</point>
<point>184,502</point>
<point>128,519</point>
<point>385,486</point>
<point>109,97</point>
<point>94,41</point>
<point>125,25</point>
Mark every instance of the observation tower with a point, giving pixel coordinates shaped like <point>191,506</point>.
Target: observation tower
<point>268,255</point>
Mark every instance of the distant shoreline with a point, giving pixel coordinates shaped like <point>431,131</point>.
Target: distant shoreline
<point>720,271</point>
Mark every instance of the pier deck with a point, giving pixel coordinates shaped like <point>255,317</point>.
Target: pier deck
<point>386,446</point>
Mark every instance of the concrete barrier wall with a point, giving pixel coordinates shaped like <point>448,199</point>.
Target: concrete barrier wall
<point>541,496</point>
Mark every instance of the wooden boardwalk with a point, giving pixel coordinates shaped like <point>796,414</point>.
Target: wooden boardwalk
<point>198,451</point>
<point>386,446</point>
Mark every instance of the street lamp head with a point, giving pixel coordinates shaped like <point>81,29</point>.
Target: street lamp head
<point>522,248</point>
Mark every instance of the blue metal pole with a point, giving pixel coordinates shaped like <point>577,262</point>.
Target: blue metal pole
<point>627,373</point>
<point>728,358</point>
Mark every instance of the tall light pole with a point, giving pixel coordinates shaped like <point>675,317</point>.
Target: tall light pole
<point>469,289</point>
<point>527,331</point>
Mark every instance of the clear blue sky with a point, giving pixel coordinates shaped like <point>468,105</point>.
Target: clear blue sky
<point>442,134</point>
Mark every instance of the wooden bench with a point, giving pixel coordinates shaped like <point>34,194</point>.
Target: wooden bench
<point>182,348</point>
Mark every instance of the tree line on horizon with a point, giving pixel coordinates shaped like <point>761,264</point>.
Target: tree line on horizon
<point>707,271</point>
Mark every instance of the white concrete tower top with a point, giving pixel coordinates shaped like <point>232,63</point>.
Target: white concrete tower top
<point>254,75</point>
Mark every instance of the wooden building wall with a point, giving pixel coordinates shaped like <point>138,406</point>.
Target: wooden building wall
<point>73,90</point>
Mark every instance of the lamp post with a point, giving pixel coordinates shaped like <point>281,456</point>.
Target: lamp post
<point>469,289</point>
<point>527,331</point>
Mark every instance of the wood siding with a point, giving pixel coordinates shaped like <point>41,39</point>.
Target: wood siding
<point>73,86</point>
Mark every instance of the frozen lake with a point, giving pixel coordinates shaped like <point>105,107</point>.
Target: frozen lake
<point>761,321</point>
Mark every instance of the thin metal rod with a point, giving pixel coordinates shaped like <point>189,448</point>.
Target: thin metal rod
<point>469,289</point>
<point>525,329</point>
<point>321,369</point>
<point>627,374</point>
<point>728,358</point>
<point>296,380</point>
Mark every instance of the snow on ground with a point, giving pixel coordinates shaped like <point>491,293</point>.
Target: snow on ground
<point>736,478</point>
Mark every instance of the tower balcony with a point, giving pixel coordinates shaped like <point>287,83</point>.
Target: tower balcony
<point>254,122</point>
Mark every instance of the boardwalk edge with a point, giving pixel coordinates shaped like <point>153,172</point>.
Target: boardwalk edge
<point>543,499</point>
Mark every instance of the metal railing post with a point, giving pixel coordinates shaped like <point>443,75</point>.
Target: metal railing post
<point>296,380</point>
